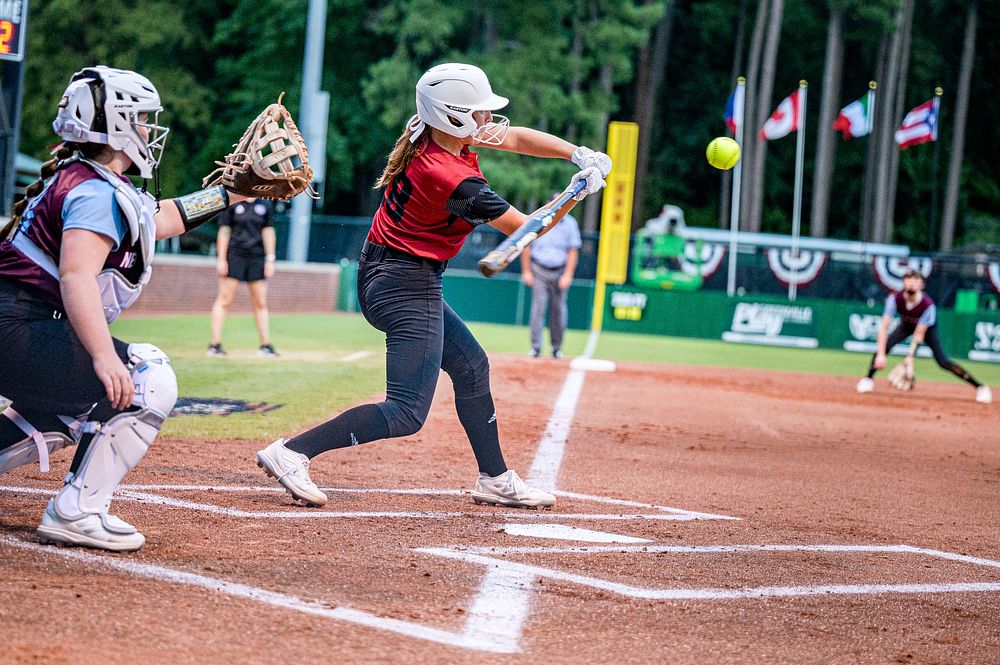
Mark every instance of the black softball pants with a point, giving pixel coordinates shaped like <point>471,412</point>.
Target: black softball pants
<point>933,342</point>
<point>45,371</point>
<point>401,295</point>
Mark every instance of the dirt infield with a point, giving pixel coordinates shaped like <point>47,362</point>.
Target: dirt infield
<point>753,517</point>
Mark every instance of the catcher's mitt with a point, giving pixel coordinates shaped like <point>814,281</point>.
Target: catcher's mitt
<point>902,377</point>
<point>270,161</point>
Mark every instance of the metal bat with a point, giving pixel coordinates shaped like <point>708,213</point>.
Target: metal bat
<point>505,253</point>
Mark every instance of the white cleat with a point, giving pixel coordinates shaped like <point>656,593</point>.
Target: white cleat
<point>866,385</point>
<point>984,395</point>
<point>508,489</point>
<point>100,531</point>
<point>291,469</point>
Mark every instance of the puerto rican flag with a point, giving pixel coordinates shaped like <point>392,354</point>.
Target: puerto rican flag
<point>784,120</point>
<point>919,125</point>
<point>734,111</point>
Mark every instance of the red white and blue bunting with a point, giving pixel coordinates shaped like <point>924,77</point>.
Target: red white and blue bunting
<point>993,270</point>
<point>799,270</point>
<point>711,258</point>
<point>889,270</point>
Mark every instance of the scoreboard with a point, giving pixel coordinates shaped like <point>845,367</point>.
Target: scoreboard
<point>13,22</point>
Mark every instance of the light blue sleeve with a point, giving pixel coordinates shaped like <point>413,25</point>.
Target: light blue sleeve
<point>890,306</point>
<point>574,241</point>
<point>91,205</point>
<point>929,317</point>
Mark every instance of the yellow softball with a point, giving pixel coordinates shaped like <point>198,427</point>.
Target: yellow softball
<point>723,153</point>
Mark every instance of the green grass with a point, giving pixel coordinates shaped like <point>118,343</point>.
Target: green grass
<point>311,383</point>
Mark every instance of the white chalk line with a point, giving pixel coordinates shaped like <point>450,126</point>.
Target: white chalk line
<point>475,637</point>
<point>357,355</point>
<point>643,593</point>
<point>312,514</point>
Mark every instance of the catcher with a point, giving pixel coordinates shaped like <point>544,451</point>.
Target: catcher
<point>918,320</point>
<point>77,252</point>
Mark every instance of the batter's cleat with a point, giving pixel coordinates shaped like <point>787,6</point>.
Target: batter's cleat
<point>215,350</point>
<point>508,489</point>
<point>984,395</point>
<point>101,531</point>
<point>866,385</point>
<point>291,469</point>
<point>267,351</point>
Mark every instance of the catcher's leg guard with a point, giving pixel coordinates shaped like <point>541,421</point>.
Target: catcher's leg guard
<point>37,446</point>
<point>79,514</point>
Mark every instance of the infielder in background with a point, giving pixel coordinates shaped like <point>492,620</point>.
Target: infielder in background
<point>547,266</point>
<point>918,319</point>
<point>79,250</point>
<point>434,196</point>
<point>246,251</point>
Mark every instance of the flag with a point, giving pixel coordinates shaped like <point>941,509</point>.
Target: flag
<point>856,118</point>
<point>784,120</point>
<point>919,125</point>
<point>734,111</point>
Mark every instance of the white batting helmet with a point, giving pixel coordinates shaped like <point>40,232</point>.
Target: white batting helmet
<point>448,95</point>
<point>102,105</point>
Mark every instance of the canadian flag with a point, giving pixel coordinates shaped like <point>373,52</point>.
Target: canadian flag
<point>784,120</point>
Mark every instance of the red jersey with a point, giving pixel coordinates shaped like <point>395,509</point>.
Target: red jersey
<point>414,215</point>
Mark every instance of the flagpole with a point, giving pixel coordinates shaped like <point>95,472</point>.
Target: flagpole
<point>734,211</point>
<point>800,144</point>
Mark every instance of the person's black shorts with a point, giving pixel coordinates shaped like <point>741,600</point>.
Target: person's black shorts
<point>246,268</point>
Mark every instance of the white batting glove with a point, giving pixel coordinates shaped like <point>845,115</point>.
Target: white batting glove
<point>585,158</point>
<point>592,179</point>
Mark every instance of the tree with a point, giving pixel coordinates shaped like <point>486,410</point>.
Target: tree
<point>958,134</point>
<point>826,148</point>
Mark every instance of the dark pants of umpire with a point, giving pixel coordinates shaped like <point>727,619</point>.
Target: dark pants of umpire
<point>933,341</point>
<point>401,295</point>
<point>44,369</point>
<point>546,295</point>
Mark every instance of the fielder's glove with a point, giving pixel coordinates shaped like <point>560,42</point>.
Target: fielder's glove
<point>270,161</point>
<point>901,377</point>
<point>585,158</point>
<point>592,179</point>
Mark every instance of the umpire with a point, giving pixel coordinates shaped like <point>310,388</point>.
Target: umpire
<point>547,266</point>
<point>246,253</point>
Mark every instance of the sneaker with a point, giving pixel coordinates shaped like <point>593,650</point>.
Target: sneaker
<point>509,490</point>
<point>101,531</point>
<point>984,395</point>
<point>556,353</point>
<point>291,469</point>
<point>215,350</point>
<point>866,385</point>
<point>535,353</point>
<point>267,351</point>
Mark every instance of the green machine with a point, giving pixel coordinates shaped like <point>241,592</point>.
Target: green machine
<point>658,259</point>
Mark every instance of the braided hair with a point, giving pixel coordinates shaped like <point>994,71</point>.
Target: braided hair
<point>61,158</point>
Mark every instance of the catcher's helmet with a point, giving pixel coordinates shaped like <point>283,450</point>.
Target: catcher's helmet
<point>102,105</point>
<point>448,95</point>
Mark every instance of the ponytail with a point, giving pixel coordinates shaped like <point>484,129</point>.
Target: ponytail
<point>402,154</point>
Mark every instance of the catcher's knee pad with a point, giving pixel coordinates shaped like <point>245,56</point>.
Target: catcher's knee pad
<point>122,441</point>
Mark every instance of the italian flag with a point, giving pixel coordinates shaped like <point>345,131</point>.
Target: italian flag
<point>856,118</point>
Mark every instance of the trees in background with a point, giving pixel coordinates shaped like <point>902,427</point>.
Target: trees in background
<point>568,67</point>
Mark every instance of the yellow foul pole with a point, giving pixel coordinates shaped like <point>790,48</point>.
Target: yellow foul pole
<point>616,214</point>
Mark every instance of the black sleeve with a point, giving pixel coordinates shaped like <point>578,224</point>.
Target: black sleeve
<point>269,215</point>
<point>475,202</point>
<point>225,217</point>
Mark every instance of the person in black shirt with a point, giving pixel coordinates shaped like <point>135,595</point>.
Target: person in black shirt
<point>246,245</point>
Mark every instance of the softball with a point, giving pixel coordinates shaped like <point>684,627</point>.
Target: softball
<point>723,153</point>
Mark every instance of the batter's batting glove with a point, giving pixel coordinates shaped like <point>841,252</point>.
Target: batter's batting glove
<point>592,179</point>
<point>586,158</point>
